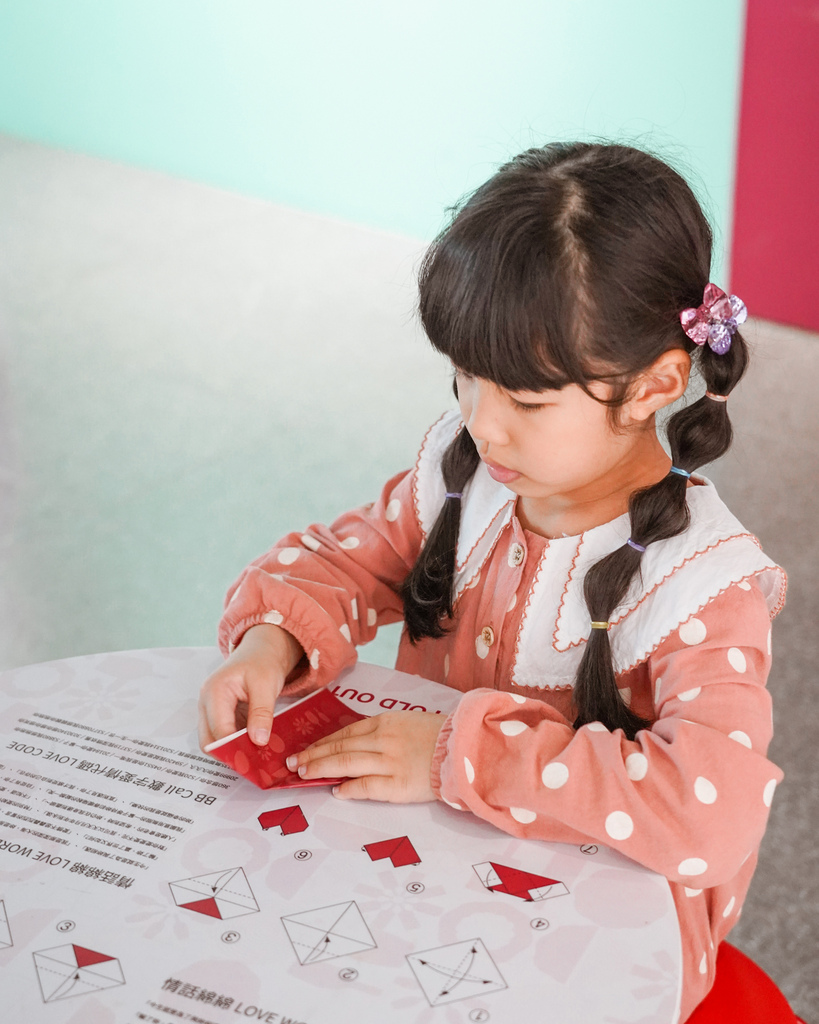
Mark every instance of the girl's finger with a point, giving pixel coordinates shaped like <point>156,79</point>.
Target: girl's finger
<point>217,707</point>
<point>261,701</point>
<point>205,734</point>
<point>350,762</point>
<point>357,736</point>
<point>330,747</point>
<point>368,787</point>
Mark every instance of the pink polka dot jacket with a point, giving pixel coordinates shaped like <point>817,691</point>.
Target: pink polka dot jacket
<point>691,643</point>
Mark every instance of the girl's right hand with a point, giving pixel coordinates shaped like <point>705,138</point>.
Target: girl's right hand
<point>244,690</point>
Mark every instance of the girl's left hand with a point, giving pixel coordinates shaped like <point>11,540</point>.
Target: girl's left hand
<point>388,757</point>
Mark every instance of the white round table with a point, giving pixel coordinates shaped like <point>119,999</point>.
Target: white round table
<point>137,883</point>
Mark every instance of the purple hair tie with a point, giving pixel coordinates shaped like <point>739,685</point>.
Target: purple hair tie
<point>454,494</point>
<point>716,320</point>
<point>637,547</point>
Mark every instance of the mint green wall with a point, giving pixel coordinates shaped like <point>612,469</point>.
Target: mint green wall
<point>370,110</point>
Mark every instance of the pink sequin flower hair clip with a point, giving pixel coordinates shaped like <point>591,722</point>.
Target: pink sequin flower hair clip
<point>716,320</point>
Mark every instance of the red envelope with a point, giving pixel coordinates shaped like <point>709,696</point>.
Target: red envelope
<point>318,715</point>
<point>400,851</point>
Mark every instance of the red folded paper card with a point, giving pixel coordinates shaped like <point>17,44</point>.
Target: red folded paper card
<point>523,884</point>
<point>294,728</point>
<point>400,851</point>
<point>289,819</point>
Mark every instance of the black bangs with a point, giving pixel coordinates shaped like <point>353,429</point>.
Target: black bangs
<point>492,299</point>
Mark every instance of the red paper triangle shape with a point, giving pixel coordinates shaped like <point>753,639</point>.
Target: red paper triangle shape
<point>207,906</point>
<point>86,957</point>
<point>516,880</point>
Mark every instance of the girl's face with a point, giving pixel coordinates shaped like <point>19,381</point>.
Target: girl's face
<point>554,445</point>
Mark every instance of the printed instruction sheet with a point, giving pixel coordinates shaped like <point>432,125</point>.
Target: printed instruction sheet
<point>142,882</point>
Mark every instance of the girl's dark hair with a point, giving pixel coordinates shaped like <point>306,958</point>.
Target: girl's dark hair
<point>570,265</point>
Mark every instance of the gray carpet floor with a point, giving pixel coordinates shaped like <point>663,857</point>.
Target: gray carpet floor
<point>186,374</point>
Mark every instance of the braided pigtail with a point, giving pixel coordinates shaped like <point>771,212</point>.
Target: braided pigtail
<point>428,589</point>
<point>697,434</point>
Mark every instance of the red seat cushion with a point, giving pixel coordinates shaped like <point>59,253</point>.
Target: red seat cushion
<point>742,994</point>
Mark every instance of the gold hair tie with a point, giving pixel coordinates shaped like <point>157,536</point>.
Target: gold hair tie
<point>601,625</point>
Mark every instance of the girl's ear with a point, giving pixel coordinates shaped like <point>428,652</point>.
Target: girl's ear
<point>661,384</point>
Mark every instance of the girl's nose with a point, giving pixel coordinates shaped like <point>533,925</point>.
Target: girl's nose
<point>484,415</point>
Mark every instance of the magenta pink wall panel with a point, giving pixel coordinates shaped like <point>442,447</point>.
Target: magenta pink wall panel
<point>775,250</point>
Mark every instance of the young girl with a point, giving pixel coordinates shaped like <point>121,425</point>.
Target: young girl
<point>605,615</point>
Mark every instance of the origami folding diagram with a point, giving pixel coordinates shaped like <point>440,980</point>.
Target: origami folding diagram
<point>514,882</point>
<point>318,715</point>
<point>222,894</point>
<point>291,819</point>
<point>327,932</point>
<point>458,971</point>
<point>67,971</point>
<point>400,851</point>
<point>5,930</point>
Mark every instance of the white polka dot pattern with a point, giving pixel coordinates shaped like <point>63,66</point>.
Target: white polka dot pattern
<point>450,803</point>
<point>354,609</point>
<point>554,775</point>
<point>314,659</point>
<point>446,665</point>
<point>690,694</point>
<point>619,825</point>
<point>740,737</point>
<point>704,964</point>
<point>693,866</point>
<point>693,632</point>
<point>692,892</point>
<point>625,695</point>
<point>596,727</point>
<point>512,603</point>
<point>480,646</point>
<point>730,906</point>
<point>513,728</point>
<point>517,698</point>
<point>744,585</point>
<point>705,790</point>
<point>310,542</point>
<point>372,617</point>
<point>393,510</point>
<point>736,659</point>
<point>658,685</point>
<point>768,792</point>
<point>287,556</point>
<point>274,618</point>
<point>470,771</point>
<point>770,641</point>
<point>636,766</point>
<point>523,815</point>
<point>344,629</point>
<point>349,543</point>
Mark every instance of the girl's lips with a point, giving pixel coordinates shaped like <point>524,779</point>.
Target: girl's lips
<point>500,473</point>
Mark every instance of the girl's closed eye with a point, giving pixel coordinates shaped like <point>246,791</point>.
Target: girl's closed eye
<point>529,406</point>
